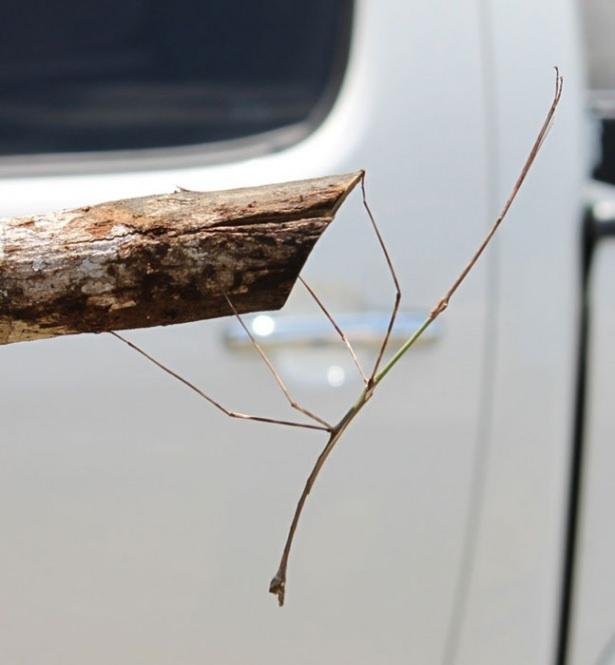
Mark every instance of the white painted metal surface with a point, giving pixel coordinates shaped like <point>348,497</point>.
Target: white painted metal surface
<point>594,624</point>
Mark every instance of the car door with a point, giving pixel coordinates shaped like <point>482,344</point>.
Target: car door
<point>591,601</point>
<point>141,526</point>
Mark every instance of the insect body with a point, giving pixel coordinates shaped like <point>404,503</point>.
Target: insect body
<point>372,378</point>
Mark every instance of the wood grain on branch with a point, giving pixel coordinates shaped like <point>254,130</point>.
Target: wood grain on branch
<point>159,260</point>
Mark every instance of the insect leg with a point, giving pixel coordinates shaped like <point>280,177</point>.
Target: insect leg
<point>205,396</point>
<point>278,379</point>
<point>340,332</point>
<point>395,309</point>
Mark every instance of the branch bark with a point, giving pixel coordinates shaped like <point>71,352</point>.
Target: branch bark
<point>159,260</point>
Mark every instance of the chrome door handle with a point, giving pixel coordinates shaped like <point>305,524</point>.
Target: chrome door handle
<point>366,329</point>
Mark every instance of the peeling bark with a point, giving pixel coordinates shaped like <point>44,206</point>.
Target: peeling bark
<point>159,260</point>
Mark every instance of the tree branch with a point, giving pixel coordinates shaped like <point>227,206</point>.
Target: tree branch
<point>158,260</point>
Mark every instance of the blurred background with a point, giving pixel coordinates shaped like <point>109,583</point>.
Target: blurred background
<point>466,517</point>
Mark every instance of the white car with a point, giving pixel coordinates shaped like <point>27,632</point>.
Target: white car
<point>141,526</point>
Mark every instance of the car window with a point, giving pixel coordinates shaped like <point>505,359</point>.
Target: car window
<point>127,74</point>
<point>598,26</point>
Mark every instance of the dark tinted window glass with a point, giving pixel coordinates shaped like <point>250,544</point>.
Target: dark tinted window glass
<point>80,75</point>
<point>598,25</point>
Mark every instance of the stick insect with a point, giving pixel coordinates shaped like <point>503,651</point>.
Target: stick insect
<point>379,369</point>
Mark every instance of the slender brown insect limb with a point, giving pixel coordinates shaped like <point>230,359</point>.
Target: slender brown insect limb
<point>205,396</point>
<point>291,400</point>
<point>340,332</point>
<point>443,303</point>
<point>278,583</point>
<point>395,309</point>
